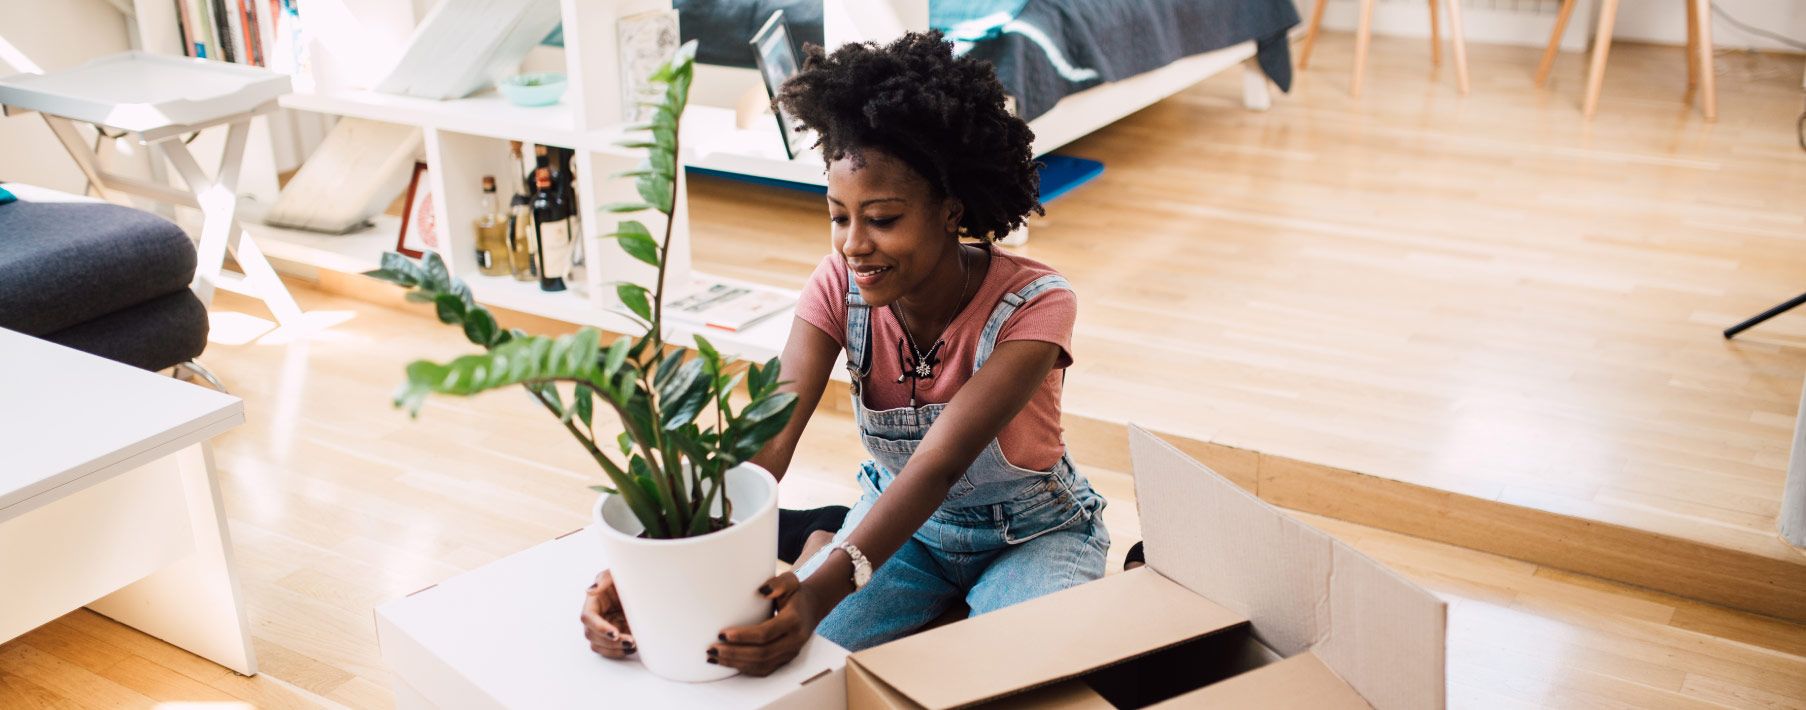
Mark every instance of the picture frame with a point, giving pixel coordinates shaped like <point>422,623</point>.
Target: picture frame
<point>419,222</point>
<point>644,41</point>
<point>776,57</point>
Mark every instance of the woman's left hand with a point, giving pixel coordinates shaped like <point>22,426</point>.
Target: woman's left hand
<point>764,647</point>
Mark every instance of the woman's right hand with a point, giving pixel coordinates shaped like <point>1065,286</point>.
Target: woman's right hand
<point>604,623</point>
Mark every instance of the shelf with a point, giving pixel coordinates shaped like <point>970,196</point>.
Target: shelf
<point>483,114</point>
<point>712,141</point>
<point>353,252</point>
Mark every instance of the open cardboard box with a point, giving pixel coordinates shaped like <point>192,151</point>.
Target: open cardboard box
<point>1240,606</point>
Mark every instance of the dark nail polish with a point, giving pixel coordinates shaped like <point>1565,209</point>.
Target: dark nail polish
<point>593,587</point>
<point>722,635</point>
<point>712,661</point>
<point>765,590</point>
<point>714,653</point>
<point>612,636</point>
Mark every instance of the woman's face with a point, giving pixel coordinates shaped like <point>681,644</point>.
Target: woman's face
<point>888,225</point>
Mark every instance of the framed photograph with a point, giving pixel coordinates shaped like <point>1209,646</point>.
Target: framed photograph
<point>419,226</point>
<point>776,57</point>
<point>645,41</point>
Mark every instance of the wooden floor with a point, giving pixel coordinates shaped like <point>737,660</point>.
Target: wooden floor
<point>1486,295</point>
<point>338,503</point>
<point>1290,275</point>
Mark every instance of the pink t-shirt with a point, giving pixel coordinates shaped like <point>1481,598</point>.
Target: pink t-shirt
<point>1033,439</point>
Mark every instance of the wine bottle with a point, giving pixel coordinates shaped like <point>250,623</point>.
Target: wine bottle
<point>552,223</point>
<point>520,223</point>
<point>492,234</point>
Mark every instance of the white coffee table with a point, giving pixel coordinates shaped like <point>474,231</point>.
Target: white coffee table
<point>506,635</point>
<point>108,500</point>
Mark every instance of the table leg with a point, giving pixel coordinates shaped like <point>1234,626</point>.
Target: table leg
<point>1363,37</point>
<point>1708,90</point>
<point>85,158</point>
<point>1459,39</point>
<point>194,602</point>
<point>1255,94</point>
<point>1602,47</point>
<point>220,230</point>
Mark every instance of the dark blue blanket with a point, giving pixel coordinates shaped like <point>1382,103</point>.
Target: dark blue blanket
<point>1053,48</point>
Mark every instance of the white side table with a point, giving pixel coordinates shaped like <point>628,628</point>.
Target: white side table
<point>506,635</point>
<point>159,99</point>
<point>108,499</point>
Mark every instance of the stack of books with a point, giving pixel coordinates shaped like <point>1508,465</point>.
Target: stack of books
<point>261,33</point>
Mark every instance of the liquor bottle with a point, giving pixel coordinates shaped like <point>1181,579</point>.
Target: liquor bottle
<point>492,234</point>
<point>564,176</point>
<point>520,224</point>
<point>552,222</point>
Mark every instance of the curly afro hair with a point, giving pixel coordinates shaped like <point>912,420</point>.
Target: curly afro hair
<point>941,115</point>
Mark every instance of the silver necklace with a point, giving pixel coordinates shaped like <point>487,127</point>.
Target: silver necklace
<point>925,361</point>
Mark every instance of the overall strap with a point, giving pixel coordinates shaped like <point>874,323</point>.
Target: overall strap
<point>1007,307</point>
<point>859,333</point>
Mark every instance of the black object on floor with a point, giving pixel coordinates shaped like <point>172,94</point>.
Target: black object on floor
<point>1136,555</point>
<point>1732,331</point>
<point>795,527</point>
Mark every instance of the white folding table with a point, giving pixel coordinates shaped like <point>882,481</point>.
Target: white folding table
<point>159,99</point>
<point>108,500</point>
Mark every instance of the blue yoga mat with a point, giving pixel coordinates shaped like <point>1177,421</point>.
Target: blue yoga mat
<point>1059,175</point>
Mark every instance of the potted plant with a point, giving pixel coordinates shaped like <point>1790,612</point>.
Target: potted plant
<point>689,525</point>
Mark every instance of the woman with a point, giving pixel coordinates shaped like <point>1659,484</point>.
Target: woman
<point>957,354</point>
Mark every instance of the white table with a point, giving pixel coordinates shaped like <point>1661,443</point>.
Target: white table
<point>506,635</point>
<point>160,100</point>
<point>108,499</point>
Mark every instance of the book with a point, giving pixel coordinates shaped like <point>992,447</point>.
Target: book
<point>247,15</point>
<point>222,31</point>
<point>725,306</point>
<point>204,45</point>
<point>183,22</point>
<point>235,31</point>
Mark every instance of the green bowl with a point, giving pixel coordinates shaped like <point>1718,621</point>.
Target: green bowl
<point>537,89</point>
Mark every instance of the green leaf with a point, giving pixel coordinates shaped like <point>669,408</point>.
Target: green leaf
<point>522,360</point>
<point>617,353</point>
<point>637,143</point>
<point>434,275</point>
<point>626,207</point>
<point>683,408</point>
<point>419,296</point>
<point>636,172</point>
<point>449,307</point>
<point>762,421</point>
<point>634,297</point>
<point>406,270</point>
<point>585,406</point>
<point>755,381</point>
<point>626,442</point>
<point>669,366</point>
<point>656,190</point>
<point>480,328</point>
<point>638,242</point>
<point>708,353</point>
<point>686,375</point>
<point>605,490</point>
<point>663,162</point>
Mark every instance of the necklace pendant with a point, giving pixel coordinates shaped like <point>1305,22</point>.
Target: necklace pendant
<point>924,370</point>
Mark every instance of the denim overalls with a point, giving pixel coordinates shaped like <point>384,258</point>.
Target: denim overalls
<point>1003,535</point>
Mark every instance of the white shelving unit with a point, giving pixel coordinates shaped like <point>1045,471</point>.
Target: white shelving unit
<point>467,138</point>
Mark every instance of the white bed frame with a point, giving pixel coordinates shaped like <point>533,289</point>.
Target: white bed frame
<point>755,150</point>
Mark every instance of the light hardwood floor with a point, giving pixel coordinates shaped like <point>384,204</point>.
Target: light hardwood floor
<point>338,503</point>
<point>1297,266</point>
<point>1485,295</point>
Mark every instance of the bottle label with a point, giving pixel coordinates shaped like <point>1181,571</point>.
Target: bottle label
<point>484,259</point>
<point>555,249</point>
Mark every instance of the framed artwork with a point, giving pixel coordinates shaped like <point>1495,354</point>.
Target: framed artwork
<point>776,57</point>
<point>419,225</point>
<point>645,41</point>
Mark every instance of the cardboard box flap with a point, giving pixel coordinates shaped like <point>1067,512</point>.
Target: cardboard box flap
<point>1216,539</point>
<point>1045,640</point>
<point>1387,636</point>
<point>1301,589</point>
<point>1301,682</point>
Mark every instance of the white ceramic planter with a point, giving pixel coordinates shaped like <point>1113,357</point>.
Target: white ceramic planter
<point>679,594</point>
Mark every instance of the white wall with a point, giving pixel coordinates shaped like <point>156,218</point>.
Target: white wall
<point>1528,22</point>
<point>54,34</point>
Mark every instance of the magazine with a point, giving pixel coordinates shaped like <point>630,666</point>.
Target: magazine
<point>723,306</point>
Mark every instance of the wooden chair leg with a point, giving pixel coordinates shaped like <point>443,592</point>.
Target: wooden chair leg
<point>1363,36</point>
<point>1460,41</point>
<point>1708,90</point>
<point>1310,35</point>
<point>1692,51</point>
<point>1561,27</point>
<point>1602,46</point>
<point>1436,36</point>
